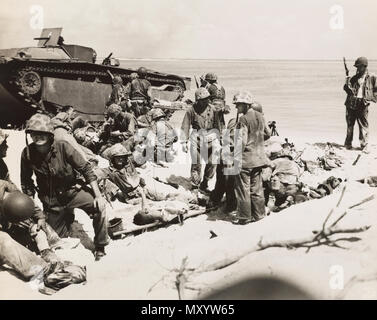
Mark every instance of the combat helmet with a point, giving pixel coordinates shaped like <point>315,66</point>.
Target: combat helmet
<point>158,113</point>
<point>116,150</point>
<point>243,97</point>
<point>201,93</point>
<point>117,80</point>
<point>134,76</point>
<point>361,61</point>
<point>114,110</point>
<point>39,122</point>
<point>210,76</point>
<point>257,107</point>
<point>3,136</point>
<point>142,72</point>
<point>17,207</point>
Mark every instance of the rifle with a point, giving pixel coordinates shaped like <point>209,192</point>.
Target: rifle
<point>196,81</point>
<point>345,66</point>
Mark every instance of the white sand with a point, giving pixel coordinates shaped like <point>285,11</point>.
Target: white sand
<point>135,264</point>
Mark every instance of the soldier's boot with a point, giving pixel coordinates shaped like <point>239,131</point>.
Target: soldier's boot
<point>99,253</point>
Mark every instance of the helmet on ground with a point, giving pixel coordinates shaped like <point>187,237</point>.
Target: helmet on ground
<point>257,107</point>
<point>39,122</point>
<point>117,80</point>
<point>134,76</point>
<point>158,113</point>
<point>117,150</point>
<point>141,72</point>
<point>3,136</point>
<point>17,207</point>
<point>361,61</point>
<point>243,97</point>
<point>210,76</point>
<point>114,110</point>
<point>201,93</point>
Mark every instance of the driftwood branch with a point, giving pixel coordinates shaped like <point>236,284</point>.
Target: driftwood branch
<point>320,237</point>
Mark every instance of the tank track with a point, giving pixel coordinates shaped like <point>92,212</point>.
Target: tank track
<point>89,72</point>
<point>71,70</point>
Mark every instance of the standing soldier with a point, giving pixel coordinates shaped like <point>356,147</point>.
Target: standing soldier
<point>119,94</point>
<point>54,164</point>
<point>248,183</point>
<point>139,94</point>
<point>217,95</point>
<point>205,121</point>
<point>361,89</point>
<point>164,136</point>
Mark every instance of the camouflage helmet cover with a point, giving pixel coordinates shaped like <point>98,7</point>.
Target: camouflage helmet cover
<point>116,150</point>
<point>257,107</point>
<point>158,113</point>
<point>201,93</point>
<point>134,75</point>
<point>39,122</point>
<point>3,136</point>
<point>243,97</point>
<point>114,110</point>
<point>211,76</point>
<point>117,80</point>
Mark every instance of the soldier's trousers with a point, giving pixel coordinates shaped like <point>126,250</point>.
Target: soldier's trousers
<point>19,258</point>
<point>361,116</point>
<point>224,185</point>
<point>209,151</point>
<point>60,217</point>
<point>249,194</point>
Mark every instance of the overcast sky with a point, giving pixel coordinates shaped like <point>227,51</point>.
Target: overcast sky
<point>213,29</point>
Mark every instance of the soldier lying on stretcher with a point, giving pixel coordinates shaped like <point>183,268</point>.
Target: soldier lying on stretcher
<point>121,181</point>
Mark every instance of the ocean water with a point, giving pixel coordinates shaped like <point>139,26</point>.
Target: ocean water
<point>305,98</point>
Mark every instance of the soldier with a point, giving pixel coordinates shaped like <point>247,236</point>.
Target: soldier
<point>119,94</point>
<point>217,97</point>
<point>120,128</point>
<point>225,182</point>
<point>33,230</point>
<point>164,136</point>
<point>248,183</point>
<point>205,121</point>
<point>139,94</point>
<point>361,90</point>
<point>62,131</point>
<point>120,180</point>
<point>54,164</point>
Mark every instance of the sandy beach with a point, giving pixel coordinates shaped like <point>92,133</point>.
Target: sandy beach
<point>146,266</point>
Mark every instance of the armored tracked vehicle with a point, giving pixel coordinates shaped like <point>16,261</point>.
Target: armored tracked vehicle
<point>54,74</point>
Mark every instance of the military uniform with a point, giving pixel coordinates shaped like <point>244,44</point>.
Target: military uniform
<point>251,158</point>
<point>139,96</point>
<point>164,136</point>
<point>123,122</point>
<point>361,90</point>
<point>58,187</point>
<point>225,183</point>
<point>205,136</point>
